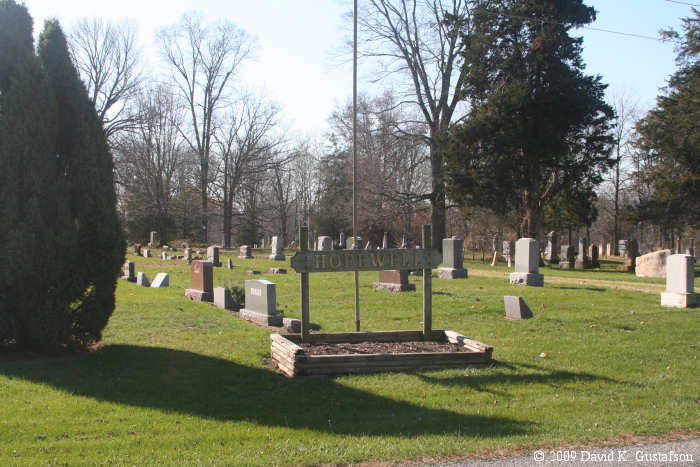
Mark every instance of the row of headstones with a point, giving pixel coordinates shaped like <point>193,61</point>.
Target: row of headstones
<point>162,279</point>
<point>260,297</point>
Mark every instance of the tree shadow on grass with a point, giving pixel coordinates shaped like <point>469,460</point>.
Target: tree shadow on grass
<point>486,381</point>
<point>188,383</point>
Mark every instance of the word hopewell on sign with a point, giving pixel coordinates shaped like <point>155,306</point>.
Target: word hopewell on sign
<point>372,260</point>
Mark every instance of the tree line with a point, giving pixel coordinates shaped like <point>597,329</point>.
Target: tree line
<point>490,115</point>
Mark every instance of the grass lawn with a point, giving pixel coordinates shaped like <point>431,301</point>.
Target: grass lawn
<point>178,382</point>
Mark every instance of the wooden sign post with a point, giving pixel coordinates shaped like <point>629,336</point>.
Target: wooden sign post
<point>426,258</point>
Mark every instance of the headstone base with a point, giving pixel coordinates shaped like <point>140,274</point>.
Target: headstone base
<point>565,265</point>
<point>527,278</point>
<point>680,300</point>
<point>198,295</point>
<point>279,257</point>
<point>245,257</point>
<point>260,318</point>
<point>626,268</point>
<point>395,288</point>
<point>452,273</point>
<point>516,308</point>
<point>581,264</point>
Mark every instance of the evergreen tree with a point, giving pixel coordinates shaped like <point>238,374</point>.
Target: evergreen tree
<point>537,124</point>
<point>85,159</point>
<point>669,139</point>
<point>62,245</point>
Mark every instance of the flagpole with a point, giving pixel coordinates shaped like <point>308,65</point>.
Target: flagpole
<point>354,160</point>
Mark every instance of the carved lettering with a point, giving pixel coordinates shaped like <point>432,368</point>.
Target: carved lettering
<point>335,261</point>
<point>378,260</point>
<point>320,262</point>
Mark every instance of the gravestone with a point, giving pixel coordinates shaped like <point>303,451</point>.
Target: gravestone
<point>608,250</point>
<point>161,280</point>
<point>516,308</point>
<point>452,259</point>
<point>154,239</point>
<point>652,264</point>
<point>277,254</point>
<point>680,282</point>
<point>137,249</point>
<point>551,254</point>
<point>568,257</point>
<point>508,248</point>
<point>582,256</point>
<point>325,243</point>
<point>394,280</point>
<point>201,282</point>
<point>213,256</point>
<point>223,299</point>
<point>527,260</point>
<point>622,248</point>
<point>368,246</point>
<point>277,271</point>
<point>129,271</point>
<point>229,263</point>
<point>164,256</point>
<point>261,303</point>
<point>244,252</point>
<point>593,256</point>
<point>404,245</point>
<point>146,252</point>
<point>351,243</point>
<point>341,242</point>
<point>142,280</point>
<point>631,251</point>
<point>691,248</point>
<point>188,254</point>
<point>385,241</point>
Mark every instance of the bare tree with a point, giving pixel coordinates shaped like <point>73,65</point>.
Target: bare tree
<point>281,196</point>
<point>108,60</point>
<point>246,146</point>
<point>627,114</point>
<point>420,41</point>
<point>203,60</point>
<point>150,158</point>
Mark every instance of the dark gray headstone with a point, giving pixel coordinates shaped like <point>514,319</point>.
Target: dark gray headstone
<point>452,259</point>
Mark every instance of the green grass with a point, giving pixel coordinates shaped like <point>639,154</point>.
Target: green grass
<point>178,382</point>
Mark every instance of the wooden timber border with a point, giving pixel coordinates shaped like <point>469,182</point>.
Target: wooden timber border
<point>293,361</point>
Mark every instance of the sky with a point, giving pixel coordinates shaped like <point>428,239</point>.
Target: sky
<point>296,66</point>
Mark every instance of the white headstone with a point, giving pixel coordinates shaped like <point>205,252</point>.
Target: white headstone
<point>680,282</point>
<point>141,279</point>
<point>277,253</point>
<point>161,280</point>
<point>527,261</point>
<point>325,243</point>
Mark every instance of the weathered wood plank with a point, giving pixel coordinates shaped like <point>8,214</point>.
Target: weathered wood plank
<point>371,336</point>
<point>365,260</point>
<point>286,343</point>
<point>456,338</point>
<point>404,358</point>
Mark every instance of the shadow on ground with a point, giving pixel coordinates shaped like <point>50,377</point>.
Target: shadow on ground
<point>198,385</point>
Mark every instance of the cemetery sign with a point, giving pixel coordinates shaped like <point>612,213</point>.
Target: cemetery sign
<point>365,260</point>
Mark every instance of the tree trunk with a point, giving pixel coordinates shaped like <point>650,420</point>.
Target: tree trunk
<point>437,198</point>
<point>529,225</point>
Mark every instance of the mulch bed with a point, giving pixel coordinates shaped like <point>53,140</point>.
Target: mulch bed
<point>366,347</point>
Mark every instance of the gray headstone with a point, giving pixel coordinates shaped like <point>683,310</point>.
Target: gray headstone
<point>154,239</point>
<point>452,259</point>
<point>277,253</point>
<point>385,241</point>
<point>229,264</point>
<point>164,256</point>
<point>325,243</point>
<point>516,308</point>
<point>341,242</point>
<point>351,243</point>
<point>260,296</point>
<point>161,280</point>
<point>508,247</point>
<point>680,282</point>
<point>527,261</point>
<point>245,252</point>
<point>129,271</point>
<point>188,254</point>
<point>222,298</point>
<point>213,255</point>
<point>141,279</point>
<point>608,250</point>
<point>552,251</point>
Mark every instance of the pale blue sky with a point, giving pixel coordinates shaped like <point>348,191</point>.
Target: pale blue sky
<point>296,38</point>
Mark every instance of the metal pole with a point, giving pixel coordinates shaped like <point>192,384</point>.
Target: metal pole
<point>354,160</point>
